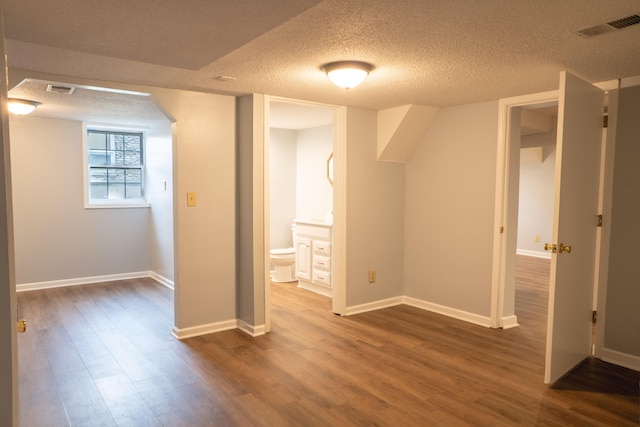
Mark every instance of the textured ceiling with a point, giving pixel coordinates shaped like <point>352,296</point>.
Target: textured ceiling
<point>437,53</point>
<point>91,105</point>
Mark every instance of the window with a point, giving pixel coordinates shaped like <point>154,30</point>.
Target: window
<point>115,167</point>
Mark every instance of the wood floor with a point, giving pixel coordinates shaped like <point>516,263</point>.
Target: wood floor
<point>103,355</point>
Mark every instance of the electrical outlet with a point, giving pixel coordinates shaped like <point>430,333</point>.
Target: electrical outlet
<point>372,276</point>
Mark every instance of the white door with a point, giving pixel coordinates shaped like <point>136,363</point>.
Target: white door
<point>580,112</point>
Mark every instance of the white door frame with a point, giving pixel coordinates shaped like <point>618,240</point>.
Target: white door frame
<point>500,231</point>
<point>338,264</point>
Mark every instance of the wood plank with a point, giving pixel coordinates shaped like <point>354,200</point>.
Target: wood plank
<point>104,352</point>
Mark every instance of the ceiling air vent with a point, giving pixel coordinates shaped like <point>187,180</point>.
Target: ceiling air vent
<point>607,27</point>
<point>66,90</point>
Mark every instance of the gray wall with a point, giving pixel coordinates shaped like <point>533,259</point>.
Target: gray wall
<point>245,295</point>
<point>375,203</point>
<point>159,188</point>
<point>314,196</point>
<point>56,237</point>
<point>282,196</point>
<point>449,210</point>
<point>8,341</point>
<point>537,188</point>
<point>622,323</point>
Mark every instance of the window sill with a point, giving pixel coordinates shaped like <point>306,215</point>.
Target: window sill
<point>115,205</point>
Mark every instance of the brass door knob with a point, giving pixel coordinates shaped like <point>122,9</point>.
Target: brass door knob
<point>550,247</point>
<point>565,249</point>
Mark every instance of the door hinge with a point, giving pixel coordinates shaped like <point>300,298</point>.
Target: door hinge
<point>599,220</point>
<point>594,316</point>
<point>501,230</point>
<point>605,121</point>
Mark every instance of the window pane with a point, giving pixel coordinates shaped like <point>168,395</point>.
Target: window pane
<point>132,158</point>
<point>96,141</point>
<point>98,175</point>
<point>132,142</point>
<point>116,176</point>
<point>98,190</point>
<point>133,176</point>
<point>134,191</point>
<point>116,141</point>
<point>98,158</point>
<point>116,191</point>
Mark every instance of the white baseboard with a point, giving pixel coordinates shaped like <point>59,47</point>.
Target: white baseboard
<point>621,359</point>
<point>476,319</point>
<point>254,331</point>
<point>536,254</point>
<point>81,281</point>
<point>510,322</point>
<point>209,328</point>
<point>310,286</point>
<point>448,311</point>
<point>162,280</point>
<point>376,305</point>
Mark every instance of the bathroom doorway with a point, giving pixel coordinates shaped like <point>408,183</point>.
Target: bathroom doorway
<point>304,230</point>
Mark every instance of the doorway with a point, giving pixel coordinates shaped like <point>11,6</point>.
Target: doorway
<point>291,122</point>
<point>535,197</point>
<point>576,182</point>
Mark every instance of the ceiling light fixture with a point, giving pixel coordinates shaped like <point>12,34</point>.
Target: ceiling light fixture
<point>347,74</point>
<point>22,106</point>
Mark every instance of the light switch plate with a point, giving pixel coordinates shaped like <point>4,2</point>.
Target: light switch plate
<point>191,198</point>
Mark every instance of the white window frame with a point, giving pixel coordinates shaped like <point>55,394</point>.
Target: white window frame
<point>106,203</point>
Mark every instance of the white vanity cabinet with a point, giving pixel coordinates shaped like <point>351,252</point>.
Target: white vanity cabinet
<point>313,256</point>
<point>303,258</point>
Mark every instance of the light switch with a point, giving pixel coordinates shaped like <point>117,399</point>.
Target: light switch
<point>191,198</point>
<point>372,276</point>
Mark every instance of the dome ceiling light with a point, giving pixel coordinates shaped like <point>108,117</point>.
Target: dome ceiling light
<point>347,74</point>
<point>21,106</point>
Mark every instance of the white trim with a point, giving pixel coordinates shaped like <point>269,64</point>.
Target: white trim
<point>339,273</point>
<point>107,205</point>
<point>476,319</point>
<point>339,258</point>
<point>449,311</point>
<point>510,322</point>
<point>162,280</point>
<point>209,328</point>
<point>375,305</point>
<point>622,359</point>
<point>252,330</point>
<point>81,281</point>
<point>535,254</point>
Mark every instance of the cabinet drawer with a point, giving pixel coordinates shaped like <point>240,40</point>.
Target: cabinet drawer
<point>321,262</point>
<point>321,277</point>
<point>321,247</point>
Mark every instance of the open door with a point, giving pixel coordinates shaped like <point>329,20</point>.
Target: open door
<point>580,112</point>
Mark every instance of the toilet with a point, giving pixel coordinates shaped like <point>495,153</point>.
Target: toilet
<point>284,262</point>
